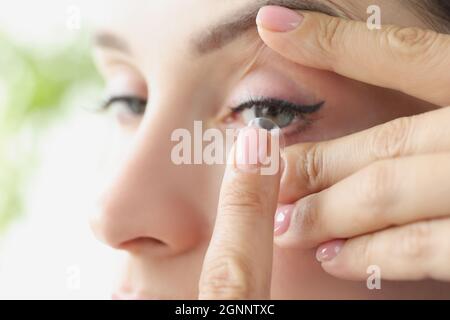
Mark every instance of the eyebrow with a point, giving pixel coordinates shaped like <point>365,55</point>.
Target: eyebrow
<point>109,41</point>
<point>238,23</point>
<point>226,31</point>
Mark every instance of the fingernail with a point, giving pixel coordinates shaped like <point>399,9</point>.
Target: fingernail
<point>282,219</point>
<point>251,149</point>
<point>278,19</point>
<point>328,251</point>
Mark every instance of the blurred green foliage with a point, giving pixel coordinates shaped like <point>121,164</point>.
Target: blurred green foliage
<point>33,85</point>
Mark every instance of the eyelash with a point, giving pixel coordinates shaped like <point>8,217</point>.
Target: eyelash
<point>276,107</point>
<point>135,105</point>
<point>273,107</point>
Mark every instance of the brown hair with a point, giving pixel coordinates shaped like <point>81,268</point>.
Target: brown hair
<point>437,13</point>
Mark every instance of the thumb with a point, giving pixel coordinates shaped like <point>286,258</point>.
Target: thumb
<point>238,263</point>
<point>411,59</point>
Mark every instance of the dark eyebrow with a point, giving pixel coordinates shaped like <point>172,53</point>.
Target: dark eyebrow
<point>110,41</point>
<point>235,25</point>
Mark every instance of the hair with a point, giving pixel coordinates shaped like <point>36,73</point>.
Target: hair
<point>437,13</point>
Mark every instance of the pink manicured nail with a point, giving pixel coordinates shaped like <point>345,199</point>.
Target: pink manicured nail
<point>282,219</point>
<point>328,251</point>
<point>278,19</point>
<point>248,150</point>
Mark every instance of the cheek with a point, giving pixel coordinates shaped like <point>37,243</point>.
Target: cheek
<point>206,192</point>
<point>296,274</point>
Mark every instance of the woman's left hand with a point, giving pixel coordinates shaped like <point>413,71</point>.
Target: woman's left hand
<point>385,190</point>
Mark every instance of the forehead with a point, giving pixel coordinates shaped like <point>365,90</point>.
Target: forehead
<point>188,15</point>
<point>151,24</point>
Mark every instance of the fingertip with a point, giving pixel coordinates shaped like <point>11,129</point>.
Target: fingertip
<point>329,251</point>
<point>278,19</point>
<point>334,259</point>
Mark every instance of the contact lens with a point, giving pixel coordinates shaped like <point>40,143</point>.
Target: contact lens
<point>263,123</point>
<point>271,127</point>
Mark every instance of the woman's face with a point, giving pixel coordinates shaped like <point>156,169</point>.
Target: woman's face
<point>202,60</point>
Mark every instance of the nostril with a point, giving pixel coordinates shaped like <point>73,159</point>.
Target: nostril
<point>142,242</point>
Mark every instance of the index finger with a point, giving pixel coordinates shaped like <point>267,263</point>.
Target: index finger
<point>312,167</point>
<point>411,60</point>
<point>238,263</point>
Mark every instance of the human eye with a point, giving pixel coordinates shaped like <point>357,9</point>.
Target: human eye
<point>127,110</point>
<point>126,93</point>
<point>134,105</point>
<point>290,117</point>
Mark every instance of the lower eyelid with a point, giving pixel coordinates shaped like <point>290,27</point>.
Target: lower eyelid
<point>293,135</point>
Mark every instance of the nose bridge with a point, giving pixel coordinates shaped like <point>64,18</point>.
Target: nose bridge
<point>151,197</point>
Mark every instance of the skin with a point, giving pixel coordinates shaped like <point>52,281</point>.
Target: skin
<point>152,208</point>
<point>396,173</point>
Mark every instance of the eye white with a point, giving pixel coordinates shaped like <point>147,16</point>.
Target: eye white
<point>248,115</point>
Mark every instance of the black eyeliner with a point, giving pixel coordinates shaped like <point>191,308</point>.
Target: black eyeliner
<point>281,105</point>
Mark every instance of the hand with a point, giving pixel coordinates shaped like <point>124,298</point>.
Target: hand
<point>386,190</point>
<point>238,263</point>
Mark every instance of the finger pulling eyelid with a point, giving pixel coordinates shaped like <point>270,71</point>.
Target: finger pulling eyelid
<point>256,58</point>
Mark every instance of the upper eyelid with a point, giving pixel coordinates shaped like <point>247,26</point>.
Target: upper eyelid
<point>271,102</point>
<point>108,62</point>
<point>126,82</point>
<point>114,69</point>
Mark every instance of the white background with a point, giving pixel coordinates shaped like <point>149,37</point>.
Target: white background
<point>50,252</point>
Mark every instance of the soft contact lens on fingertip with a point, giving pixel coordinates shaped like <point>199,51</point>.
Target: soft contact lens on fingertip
<point>271,127</point>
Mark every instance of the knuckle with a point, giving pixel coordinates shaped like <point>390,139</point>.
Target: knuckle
<point>329,34</point>
<point>364,251</point>
<point>306,216</point>
<point>291,185</point>
<point>240,199</point>
<point>310,166</point>
<point>376,188</point>
<point>391,139</point>
<point>411,43</point>
<point>415,241</point>
<point>227,277</point>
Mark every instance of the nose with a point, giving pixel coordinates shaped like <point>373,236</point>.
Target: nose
<point>151,205</point>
